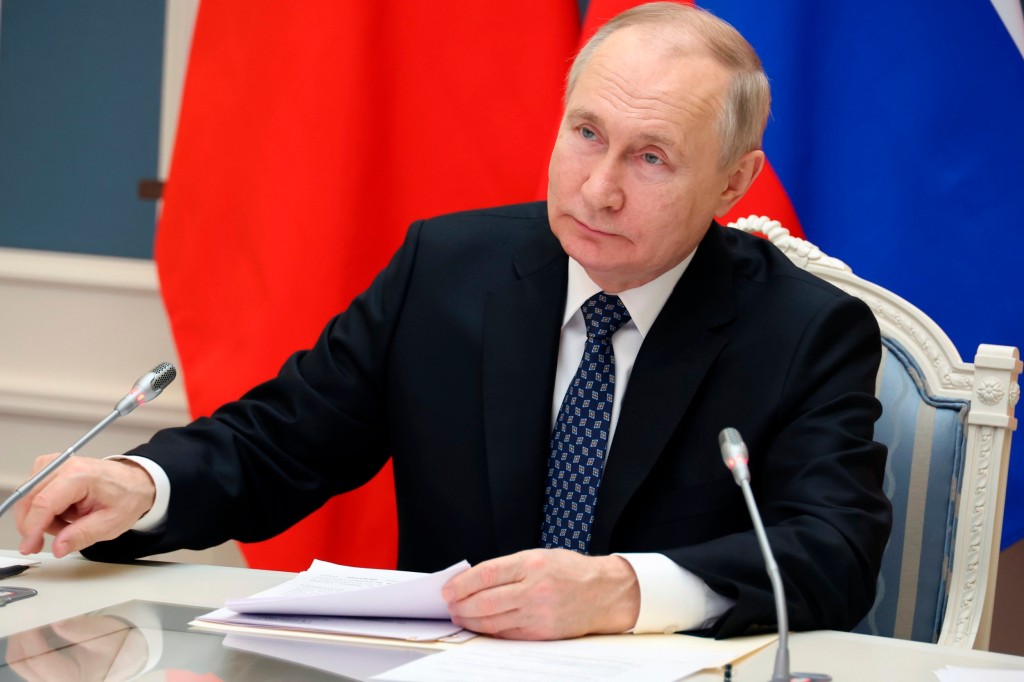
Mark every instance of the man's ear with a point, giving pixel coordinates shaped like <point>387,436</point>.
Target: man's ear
<point>740,178</point>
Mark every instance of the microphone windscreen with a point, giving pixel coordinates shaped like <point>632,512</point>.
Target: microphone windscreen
<point>729,437</point>
<point>165,374</point>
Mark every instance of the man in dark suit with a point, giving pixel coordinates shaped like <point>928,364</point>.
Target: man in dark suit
<point>462,363</point>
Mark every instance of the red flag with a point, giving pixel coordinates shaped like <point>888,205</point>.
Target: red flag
<point>311,134</point>
<point>766,196</point>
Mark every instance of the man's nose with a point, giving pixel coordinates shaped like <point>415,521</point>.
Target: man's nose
<point>603,187</point>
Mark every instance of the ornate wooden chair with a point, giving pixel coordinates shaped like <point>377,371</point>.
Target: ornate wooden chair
<point>948,426</point>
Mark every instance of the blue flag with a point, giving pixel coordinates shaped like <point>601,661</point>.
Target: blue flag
<point>898,132</point>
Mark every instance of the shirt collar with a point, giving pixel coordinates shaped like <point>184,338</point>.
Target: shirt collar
<point>644,303</point>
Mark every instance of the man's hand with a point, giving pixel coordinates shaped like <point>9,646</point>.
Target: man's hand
<point>545,594</point>
<point>85,501</point>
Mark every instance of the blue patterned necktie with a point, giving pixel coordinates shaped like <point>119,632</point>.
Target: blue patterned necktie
<point>579,440</point>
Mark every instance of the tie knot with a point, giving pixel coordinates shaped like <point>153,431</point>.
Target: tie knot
<point>604,314</point>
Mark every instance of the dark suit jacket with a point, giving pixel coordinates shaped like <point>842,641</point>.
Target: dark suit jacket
<point>447,362</point>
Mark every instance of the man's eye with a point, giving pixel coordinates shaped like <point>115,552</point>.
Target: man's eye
<point>587,133</point>
<point>652,159</point>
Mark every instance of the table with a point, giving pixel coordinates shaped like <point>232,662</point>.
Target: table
<point>71,586</point>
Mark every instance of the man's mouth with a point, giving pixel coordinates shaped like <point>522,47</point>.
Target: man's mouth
<point>588,229</point>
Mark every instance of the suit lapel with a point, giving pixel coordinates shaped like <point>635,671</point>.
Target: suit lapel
<point>521,334</point>
<point>674,358</point>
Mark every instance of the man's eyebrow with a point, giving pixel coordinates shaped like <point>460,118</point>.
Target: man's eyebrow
<point>658,139</point>
<point>580,113</point>
<point>647,137</point>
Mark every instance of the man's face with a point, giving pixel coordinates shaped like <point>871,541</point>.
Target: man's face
<point>634,176</point>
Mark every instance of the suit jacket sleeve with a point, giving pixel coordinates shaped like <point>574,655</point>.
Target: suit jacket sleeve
<point>261,463</point>
<point>818,483</point>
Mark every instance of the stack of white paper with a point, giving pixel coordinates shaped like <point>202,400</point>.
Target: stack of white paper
<point>334,599</point>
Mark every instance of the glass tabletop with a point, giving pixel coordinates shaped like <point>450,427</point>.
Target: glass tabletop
<point>141,640</point>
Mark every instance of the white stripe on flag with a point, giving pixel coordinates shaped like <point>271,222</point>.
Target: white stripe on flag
<point>1012,14</point>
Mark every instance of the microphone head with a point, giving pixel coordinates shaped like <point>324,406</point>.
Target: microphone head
<point>150,385</point>
<point>163,374</point>
<point>734,453</point>
<point>154,381</point>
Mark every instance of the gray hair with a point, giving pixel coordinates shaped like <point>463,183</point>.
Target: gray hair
<point>748,101</point>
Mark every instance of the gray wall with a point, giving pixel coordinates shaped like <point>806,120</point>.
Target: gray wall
<point>79,123</point>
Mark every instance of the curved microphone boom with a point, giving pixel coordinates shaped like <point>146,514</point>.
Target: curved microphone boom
<point>149,386</point>
<point>735,456</point>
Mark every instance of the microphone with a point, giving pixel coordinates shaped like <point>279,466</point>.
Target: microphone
<point>735,456</point>
<point>149,386</point>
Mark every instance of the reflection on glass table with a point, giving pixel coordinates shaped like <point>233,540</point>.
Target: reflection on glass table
<point>140,640</point>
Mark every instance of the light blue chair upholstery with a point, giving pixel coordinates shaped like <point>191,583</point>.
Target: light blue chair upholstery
<point>926,437</point>
<point>948,426</point>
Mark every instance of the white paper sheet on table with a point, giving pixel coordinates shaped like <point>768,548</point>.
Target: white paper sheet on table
<point>327,589</point>
<point>953,673</point>
<point>7,561</point>
<point>351,660</point>
<point>652,658</point>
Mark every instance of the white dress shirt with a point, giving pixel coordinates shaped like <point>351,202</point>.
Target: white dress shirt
<point>671,598</point>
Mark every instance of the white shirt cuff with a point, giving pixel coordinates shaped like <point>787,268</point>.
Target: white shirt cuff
<point>157,514</point>
<point>672,598</point>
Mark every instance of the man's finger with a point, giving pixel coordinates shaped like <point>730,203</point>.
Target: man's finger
<point>88,530</point>
<point>491,624</point>
<point>510,625</point>
<point>488,602</point>
<point>42,511</point>
<point>21,508</point>
<point>42,460</point>
<point>484,576</point>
